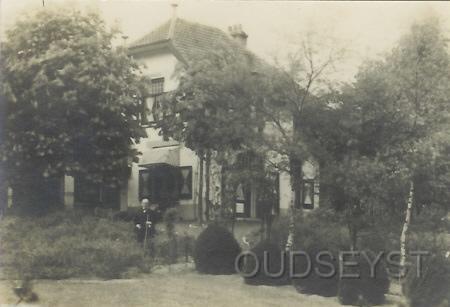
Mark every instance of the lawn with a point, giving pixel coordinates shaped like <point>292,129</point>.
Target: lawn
<point>178,286</point>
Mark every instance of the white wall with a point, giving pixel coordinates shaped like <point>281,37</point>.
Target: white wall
<point>157,65</point>
<point>161,64</point>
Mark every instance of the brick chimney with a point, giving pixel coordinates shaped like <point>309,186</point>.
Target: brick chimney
<point>238,34</point>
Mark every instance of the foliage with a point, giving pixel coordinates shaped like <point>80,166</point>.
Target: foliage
<point>212,106</point>
<point>432,288</point>
<point>170,217</point>
<point>167,252</point>
<point>275,264</point>
<point>127,215</point>
<point>215,251</point>
<point>385,130</point>
<point>72,99</point>
<point>68,244</point>
<point>316,232</point>
<point>366,289</point>
<point>213,110</point>
<point>280,230</point>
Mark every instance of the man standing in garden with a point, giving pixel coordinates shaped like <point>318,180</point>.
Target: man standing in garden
<point>145,221</point>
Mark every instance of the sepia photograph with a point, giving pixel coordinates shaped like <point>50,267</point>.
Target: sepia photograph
<point>185,153</point>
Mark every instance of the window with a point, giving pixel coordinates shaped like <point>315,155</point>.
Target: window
<point>308,194</point>
<point>157,86</point>
<point>243,200</point>
<point>88,194</point>
<point>151,103</point>
<point>186,182</point>
<point>304,197</point>
<point>165,183</point>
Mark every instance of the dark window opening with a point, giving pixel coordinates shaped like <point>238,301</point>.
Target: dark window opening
<point>87,194</point>
<point>165,184</point>
<point>269,196</point>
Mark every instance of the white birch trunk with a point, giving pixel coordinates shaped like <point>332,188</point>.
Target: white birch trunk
<point>290,238</point>
<point>405,229</point>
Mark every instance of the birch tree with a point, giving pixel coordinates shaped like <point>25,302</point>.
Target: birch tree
<point>420,74</point>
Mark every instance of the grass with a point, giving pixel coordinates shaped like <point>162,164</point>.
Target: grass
<point>177,286</point>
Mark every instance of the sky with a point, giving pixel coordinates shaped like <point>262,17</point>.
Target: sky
<point>365,29</point>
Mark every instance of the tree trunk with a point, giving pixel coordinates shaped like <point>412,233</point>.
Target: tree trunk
<point>200,189</point>
<point>223,200</point>
<point>295,178</point>
<point>207,183</point>
<point>3,191</point>
<point>405,229</point>
<point>233,216</point>
<point>353,235</point>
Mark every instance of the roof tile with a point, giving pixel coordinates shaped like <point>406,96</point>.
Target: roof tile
<point>189,39</point>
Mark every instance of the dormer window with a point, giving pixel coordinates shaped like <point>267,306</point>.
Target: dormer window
<point>152,101</point>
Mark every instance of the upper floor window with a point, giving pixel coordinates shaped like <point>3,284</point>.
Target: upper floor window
<point>152,102</point>
<point>157,86</point>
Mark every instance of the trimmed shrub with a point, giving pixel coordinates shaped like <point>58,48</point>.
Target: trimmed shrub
<point>277,261</point>
<point>215,251</point>
<point>367,289</point>
<point>280,230</point>
<point>432,287</point>
<point>316,232</point>
<point>315,283</point>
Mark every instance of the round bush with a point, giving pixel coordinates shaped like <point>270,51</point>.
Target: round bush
<point>276,261</point>
<point>318,232</point>
<point>215,251</point>
<point>368,288</point>
<point>432,287</point>
<point>315,283</point>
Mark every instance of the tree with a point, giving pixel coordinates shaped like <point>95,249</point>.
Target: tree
<point>72,102</point>
<point>288,92</point>
<point>380,137</point>
<point>212,110</point>
<point>420,70</point>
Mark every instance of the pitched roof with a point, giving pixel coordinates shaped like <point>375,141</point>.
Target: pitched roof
<point>159,34</point>
<point>188,38</point>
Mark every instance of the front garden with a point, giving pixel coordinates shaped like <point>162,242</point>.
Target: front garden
<point>83,246</point>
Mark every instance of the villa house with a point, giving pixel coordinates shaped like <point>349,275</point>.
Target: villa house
<point>166,167</point>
